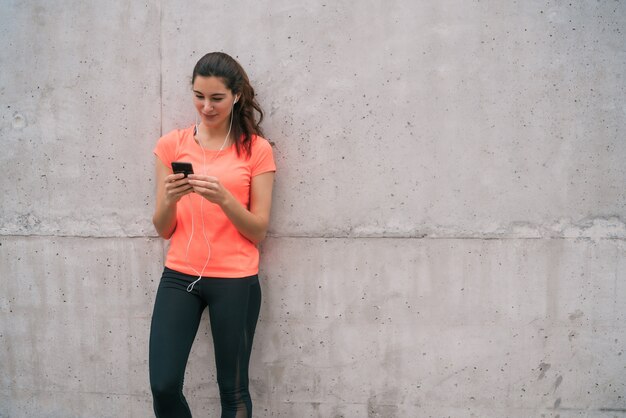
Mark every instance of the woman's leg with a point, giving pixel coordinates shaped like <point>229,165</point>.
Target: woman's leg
<point>175,322</point>
<point>234,309</point>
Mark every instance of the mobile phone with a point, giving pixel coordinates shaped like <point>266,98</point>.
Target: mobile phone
<point>182,167</point>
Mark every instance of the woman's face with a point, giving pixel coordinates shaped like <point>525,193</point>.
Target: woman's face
<point>213,101</point>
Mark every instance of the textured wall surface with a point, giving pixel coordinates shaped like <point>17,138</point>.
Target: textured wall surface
<point>449,221</point>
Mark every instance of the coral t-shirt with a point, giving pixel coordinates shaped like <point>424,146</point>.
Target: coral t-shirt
<point>229,254</point>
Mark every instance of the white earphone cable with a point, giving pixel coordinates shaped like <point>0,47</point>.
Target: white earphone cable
<point>206,240</point>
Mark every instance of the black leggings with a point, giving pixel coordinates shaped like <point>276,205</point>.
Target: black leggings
<point>233,309</point>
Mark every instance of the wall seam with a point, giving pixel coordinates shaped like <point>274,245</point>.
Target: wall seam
<point>509,238</point>
<point>160,68</point>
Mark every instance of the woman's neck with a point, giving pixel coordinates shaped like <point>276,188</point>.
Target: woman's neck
<point>212,138</point>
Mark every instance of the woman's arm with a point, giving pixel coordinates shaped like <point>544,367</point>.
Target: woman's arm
<point>170,188</point>
<point>252,223</point>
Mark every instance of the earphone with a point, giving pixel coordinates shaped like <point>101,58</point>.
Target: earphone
<point>206,240</point>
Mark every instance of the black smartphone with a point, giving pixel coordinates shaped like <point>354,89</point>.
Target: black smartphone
<point>182,167</point>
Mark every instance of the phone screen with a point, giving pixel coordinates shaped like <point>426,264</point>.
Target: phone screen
<point>182,167</point>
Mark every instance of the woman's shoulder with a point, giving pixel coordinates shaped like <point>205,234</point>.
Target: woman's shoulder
<point>258,142</point>
<point>177,135</point>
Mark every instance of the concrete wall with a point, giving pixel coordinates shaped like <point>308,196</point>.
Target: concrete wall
<point>448,233</point>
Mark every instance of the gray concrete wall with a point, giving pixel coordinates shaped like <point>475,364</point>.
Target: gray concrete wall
<point>448,232</point>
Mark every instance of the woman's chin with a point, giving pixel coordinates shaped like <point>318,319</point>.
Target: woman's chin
<point>212,121</point>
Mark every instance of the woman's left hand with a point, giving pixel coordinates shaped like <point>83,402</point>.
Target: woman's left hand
<point>210,188</point>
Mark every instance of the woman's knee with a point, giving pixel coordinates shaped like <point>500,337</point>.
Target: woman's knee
<point>164,389</point>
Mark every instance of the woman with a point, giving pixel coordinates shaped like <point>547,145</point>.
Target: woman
<point>213,219</point>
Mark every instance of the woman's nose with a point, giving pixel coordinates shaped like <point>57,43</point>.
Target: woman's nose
<point>207,105</point>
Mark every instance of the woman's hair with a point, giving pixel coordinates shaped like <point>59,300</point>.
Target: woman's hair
<point>223,66</point>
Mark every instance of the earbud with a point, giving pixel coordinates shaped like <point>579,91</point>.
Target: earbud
<point>236,99</point>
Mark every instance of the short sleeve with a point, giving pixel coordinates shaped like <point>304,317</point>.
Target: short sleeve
<point>262,158</point>
<point>166,148</point>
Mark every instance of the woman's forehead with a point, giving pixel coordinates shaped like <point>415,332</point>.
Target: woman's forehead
<point>210,84</point>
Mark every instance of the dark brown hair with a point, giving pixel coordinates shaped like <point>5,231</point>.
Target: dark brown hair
<point>225,67</point>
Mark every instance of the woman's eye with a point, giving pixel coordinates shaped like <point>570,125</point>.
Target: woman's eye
<point>199,97</point>
<point>217,99</point>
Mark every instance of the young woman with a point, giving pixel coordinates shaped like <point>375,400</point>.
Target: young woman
<point>213,219</point>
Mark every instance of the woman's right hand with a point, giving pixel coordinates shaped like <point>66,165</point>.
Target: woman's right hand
<point>170,188</point>
<point>175,187</point>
